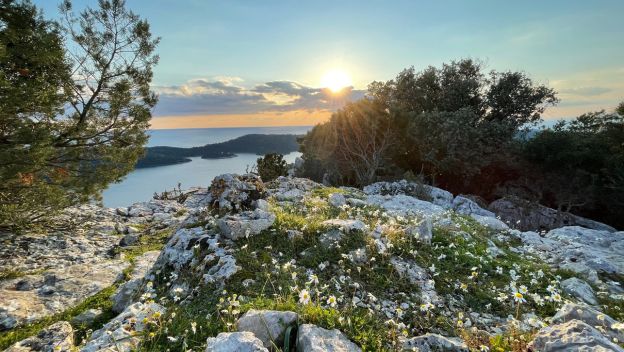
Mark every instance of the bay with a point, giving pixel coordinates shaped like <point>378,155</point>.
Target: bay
<point>141,184</point>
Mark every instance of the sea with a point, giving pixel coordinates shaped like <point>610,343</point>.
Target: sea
<point>141,184</point>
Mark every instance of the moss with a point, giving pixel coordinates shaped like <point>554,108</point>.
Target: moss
<point>9,274</point>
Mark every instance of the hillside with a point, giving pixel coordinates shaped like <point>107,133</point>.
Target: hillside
<point>259,144</point>
<point>294,265</point>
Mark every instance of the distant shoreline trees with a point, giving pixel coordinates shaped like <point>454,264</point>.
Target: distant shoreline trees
<point>75,103</point>
<point>467,131</point>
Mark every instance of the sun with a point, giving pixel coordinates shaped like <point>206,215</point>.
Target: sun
<point>336,80</point>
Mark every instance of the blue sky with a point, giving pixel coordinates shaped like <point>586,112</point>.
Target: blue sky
<point>575,46</point>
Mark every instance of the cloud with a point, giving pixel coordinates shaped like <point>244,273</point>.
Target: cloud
<point>228,95</point>
<point>586,91</point>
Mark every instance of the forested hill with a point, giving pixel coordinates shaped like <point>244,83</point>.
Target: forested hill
<point>251,143</point>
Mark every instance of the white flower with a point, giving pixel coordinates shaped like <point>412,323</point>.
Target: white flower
<point>172,339</point>
<point>304,296</point>
<point>331,301</point>
<point>194,327</point>
<point>519,297</point>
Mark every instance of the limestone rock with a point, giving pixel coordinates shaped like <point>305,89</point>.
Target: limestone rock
<point>424,192</point>
<point>405,205</point>
<point>245,224</point>
<point>126,292</point>
<point>311,338</point>
<point>54,291</point>
<point>346,225</point>
<point>466,206</point>
<point>579,289</point>
<point>331,238</point>
<point>56,337</point>
<point>527,216</point>
<point>337,200</point>
<point>236,192</point>
<point>584,251</point>
<point>422,232</point>
<point>574,335</point>
<point>129,240</point>
<point>267,325</point>
<point>235,342</point>
<point>590,316</point>
<point>416,276</point>
<point>122,334</point>
<point>433,343</point>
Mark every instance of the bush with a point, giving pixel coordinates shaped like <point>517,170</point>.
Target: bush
<point>271,166</point>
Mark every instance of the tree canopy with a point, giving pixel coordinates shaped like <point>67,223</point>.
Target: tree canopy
<point>74,104</point>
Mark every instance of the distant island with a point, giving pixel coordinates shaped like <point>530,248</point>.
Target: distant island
<point>259,144</point>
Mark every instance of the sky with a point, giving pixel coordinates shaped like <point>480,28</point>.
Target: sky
<point>265,63</point>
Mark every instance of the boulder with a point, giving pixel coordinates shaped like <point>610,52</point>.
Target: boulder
<point>236,192</point>
<point>235,342</point>
<point>422,232</point>
<point>245,224</point>
<point>346,225</point>
<point>529,216</point>
<point>405,205</point>
<point>331,238</point>
<point>424,192</point>
<point>574,335</point>
<point>433,343</point>
<point>123,333</point>
<point>311,338</point>
<point>466,206</point>
<point>580,289</point>
<point>267,325</point>
<point>584,251</point>
<point>55,338</point>
<point>129,240</point>
<point>490,222</point>
<point>590,316</point>
<point>337,200</point>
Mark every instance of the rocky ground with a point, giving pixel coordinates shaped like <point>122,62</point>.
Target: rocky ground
<point>294,265</point>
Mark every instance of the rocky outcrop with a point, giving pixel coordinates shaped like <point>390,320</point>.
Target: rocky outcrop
<point>590,316</point>
<point>235,342</point>
<point>58,337</point>
<point>527,216</point>
<point>128,291</point>
<point>433,343</point>
<point>583,251</point>
<point>122,334</point>
<point>579,289</point>
<point>32,297</point>
<point>311,338</point>
<point>245,224</point>
<point>267,325</point>
<point>574,335</point>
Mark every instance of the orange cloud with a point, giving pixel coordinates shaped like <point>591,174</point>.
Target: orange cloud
<point>260,119</point>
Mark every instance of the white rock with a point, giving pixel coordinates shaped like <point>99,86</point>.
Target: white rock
<point>580,289</point>
<point>87,317</point>
<point>422,232</point>
<point>267,325</point>
<point>122,334</point>
<point>235,342</point>
<point>311,338</point>
<point>405,205</point>
<point>337,200</point>
<point>466,206</point>
<point>416,276</point>
<point>346,225</point>
<point>590,316</point>
<point>490,222</point>
<point>126,292</point>
<point>245,224</point>
<point>56,337</point>
<point>434,342</point>
<point>572,336</point>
